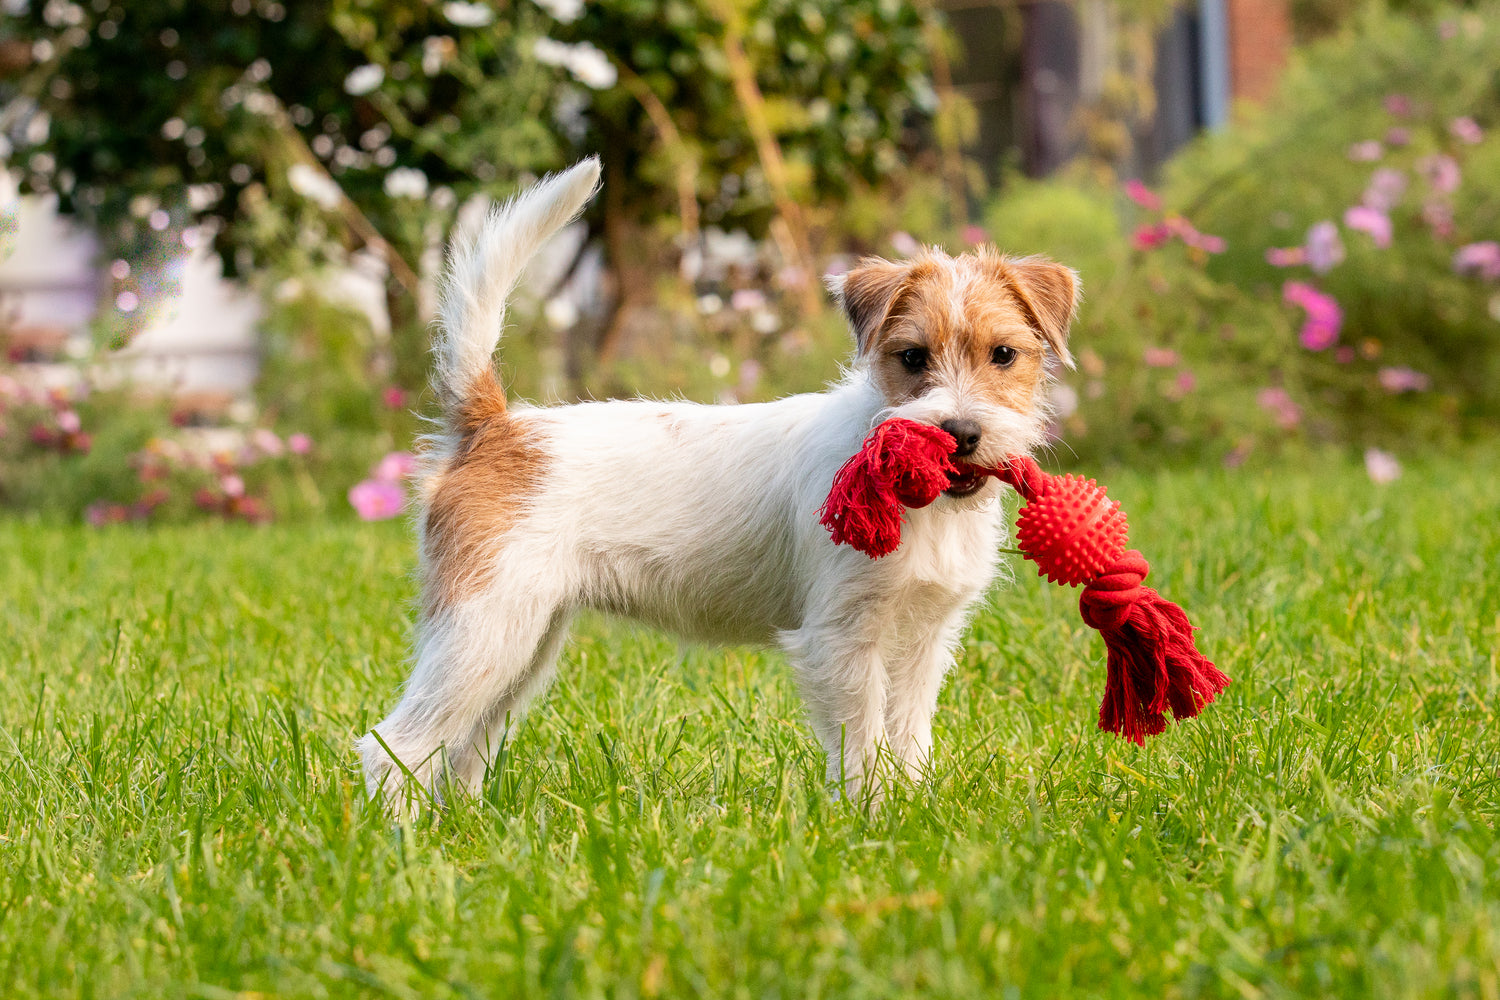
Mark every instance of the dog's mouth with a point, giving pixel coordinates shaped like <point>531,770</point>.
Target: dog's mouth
<point>963,482</point>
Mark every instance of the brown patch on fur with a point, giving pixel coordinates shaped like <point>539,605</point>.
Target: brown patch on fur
<point>484,401</point>
<point>1049,291</point>
<point>470,503</point>
<point>959,310</point>
<point>870,293</point>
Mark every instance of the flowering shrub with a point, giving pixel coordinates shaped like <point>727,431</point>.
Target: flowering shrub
<point>73,450</point>
<point>1327,273</point>
<point>1382,150</point>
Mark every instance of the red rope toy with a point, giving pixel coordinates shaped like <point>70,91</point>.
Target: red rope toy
<point>1075,535</point>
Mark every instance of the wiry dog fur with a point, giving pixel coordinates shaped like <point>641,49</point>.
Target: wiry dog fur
<point>703,520</point>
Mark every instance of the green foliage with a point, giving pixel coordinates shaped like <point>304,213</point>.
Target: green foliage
<point>202,108</point>
<point>180,814</point>
<point>844,82</point>
<point>315,371</point>
<point>1071,221</point>
<point>293,134</point>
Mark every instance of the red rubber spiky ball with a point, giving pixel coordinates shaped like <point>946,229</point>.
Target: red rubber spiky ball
<point>1073,532</point>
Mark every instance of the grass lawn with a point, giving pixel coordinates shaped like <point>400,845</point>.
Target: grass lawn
<point>179,812</point>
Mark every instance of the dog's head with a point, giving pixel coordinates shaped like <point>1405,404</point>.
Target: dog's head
<point>962,343</point>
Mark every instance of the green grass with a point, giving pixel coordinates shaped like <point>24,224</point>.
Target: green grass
<point>179,812</point>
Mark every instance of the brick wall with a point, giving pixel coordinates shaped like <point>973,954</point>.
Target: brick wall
<point>1260,35</point>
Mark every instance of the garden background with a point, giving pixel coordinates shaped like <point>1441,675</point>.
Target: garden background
<point>1288,367</point>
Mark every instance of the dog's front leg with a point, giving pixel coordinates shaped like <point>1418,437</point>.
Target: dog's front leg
<point>843,679</point>
<point>916,677</point>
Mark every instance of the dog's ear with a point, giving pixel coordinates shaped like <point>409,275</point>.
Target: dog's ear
<point>866,294</point>
<point>1049,291</point>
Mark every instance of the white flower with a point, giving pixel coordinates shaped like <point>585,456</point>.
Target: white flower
<point>314,185</point>
<point>765,322</point>
<point>560,312</point>
<point>565,11</point>
<point>363,79</point>
<point>551,52</point>
<point>406,182</point>
<point>468,15</point>
<point>258,102</point>
<point>586,61</point>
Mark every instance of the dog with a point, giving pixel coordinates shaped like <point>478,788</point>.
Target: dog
<point>703,520</point>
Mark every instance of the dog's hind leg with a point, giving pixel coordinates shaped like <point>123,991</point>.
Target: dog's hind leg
<point>470,658</point>
<point>498,724</point>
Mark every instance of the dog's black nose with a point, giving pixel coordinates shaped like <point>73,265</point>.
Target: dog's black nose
<point>966,433</point>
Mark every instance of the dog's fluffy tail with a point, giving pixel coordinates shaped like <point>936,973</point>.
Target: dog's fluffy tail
<point>483,267</point>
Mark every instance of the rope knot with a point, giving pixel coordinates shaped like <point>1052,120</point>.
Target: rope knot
<point>1107,599</point>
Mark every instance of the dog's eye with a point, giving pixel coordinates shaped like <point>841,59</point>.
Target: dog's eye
<point>914,358</point>
<point>1004,356</point>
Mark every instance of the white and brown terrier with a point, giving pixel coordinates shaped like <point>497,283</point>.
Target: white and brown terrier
<point>703,520</point>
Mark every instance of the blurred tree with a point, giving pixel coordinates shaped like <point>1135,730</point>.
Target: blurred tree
<point>299,131</point>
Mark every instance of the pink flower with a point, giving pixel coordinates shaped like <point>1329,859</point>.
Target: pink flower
<point>1467,130</point>
<point>1285,256</point>
<point>1368,220</point>
<point>1236,456</point>
<point>394,397</point>
<point>1385,189</point>
<point>232,485</point>
<point>792,277</point>
<point>1394,380</point>
<point>1481,258</point>
<point>300,444</point>
<point>376,500</point>
<point>1149,237</point>
<point>1439,218</point>
<point>395,467</point>
<point>1324,317</point>
<point>68,422</point>
<point>1398,105</point>
<point>1142,195</point>
<point>1381,466</point>
<point>747,299</point>
<point>1366,152</point>
<point>1441,173</point>
<point>1159,357</point>
<point>1324,248</point>
<point>749,375</point>
<point>266,441</point>
<point>1208,243</point>
<point>1397,136</point>
<point>975,235</point>
<point>100,513</point>
<point>905,243</point>
<point>1274,400</point>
